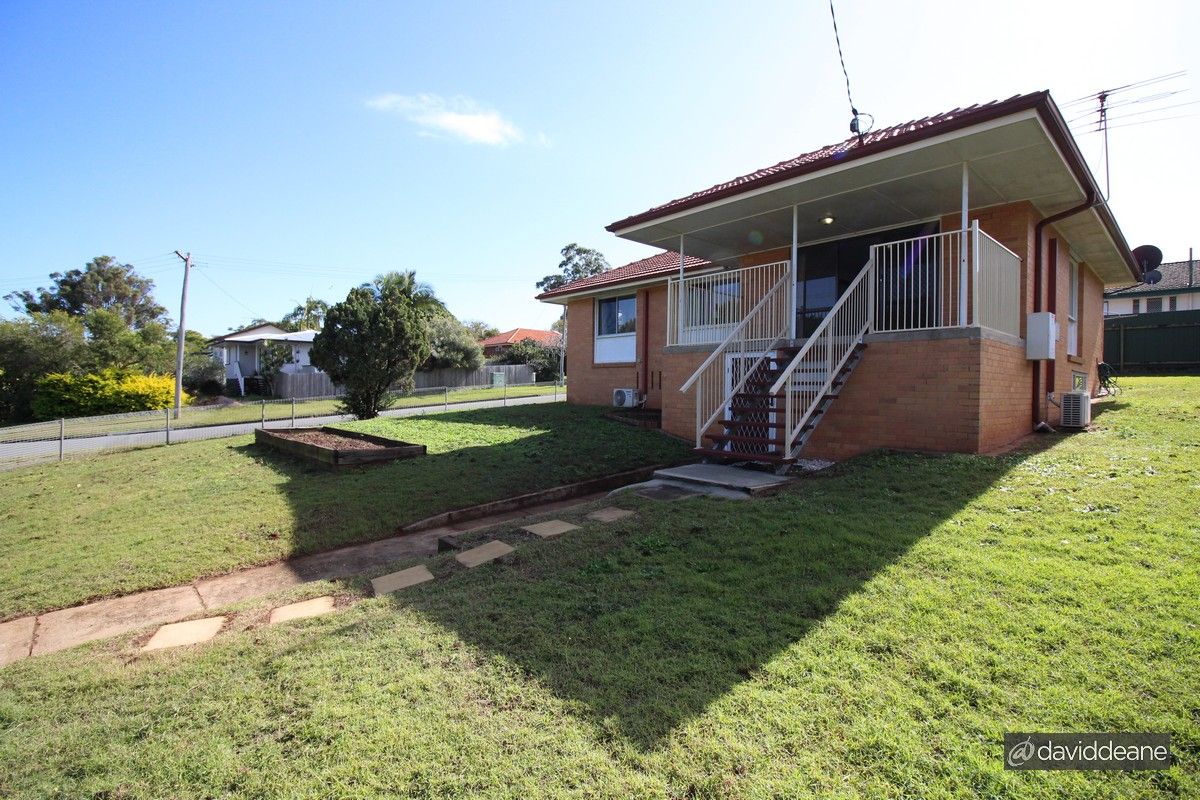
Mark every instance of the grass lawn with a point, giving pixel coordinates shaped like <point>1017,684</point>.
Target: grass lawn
<point>118,523</point>
<point>871,633</point>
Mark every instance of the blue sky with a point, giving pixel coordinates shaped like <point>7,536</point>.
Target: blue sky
<point>301,148</point>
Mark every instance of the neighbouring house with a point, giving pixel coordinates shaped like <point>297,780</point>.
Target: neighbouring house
<point>496,345</point>
<point>1179,290</point>
<point>241,353</point>
<point>894,290</point>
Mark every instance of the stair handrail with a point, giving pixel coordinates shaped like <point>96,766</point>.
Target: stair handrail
<point>734,334</point>
<point>707,400</point>
<point>818,335</point>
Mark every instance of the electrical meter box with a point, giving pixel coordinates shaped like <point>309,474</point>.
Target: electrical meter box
<point>1041,334</point>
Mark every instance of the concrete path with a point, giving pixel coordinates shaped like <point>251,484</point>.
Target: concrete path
<point>17,454</point>
<point>58,630</point>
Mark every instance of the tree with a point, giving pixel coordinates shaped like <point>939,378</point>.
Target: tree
<point>271,359</point>
<point>31,348</point>
<point>543,359</point>
<point>375,339</point>
<point>103,283</point>
<point>309,315</point>
<point>577,262</point>
<point>452,345</point>
<point>480,330</point>
<point>112,344</point>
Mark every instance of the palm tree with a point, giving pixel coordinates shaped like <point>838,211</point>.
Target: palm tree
<point>421,294</point>
<point>309,315</point>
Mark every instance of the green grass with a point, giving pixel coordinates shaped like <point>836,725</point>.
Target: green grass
<point>123,522</point>
<point>871,633</point>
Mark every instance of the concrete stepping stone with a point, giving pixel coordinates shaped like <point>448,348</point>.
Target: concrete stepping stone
<point>553,527</point>
<point>68,627</point>
<point>610,514</point>
<point>483,554</point>
<point>16,637</point>
<point>302,610</point>
<point>395,581</point>
<point>178,634</point>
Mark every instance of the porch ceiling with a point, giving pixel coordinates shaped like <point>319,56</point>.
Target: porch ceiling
<point>1010,159</point>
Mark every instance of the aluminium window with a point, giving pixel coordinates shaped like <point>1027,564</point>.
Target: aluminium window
<point>1174,305</point>
<point>616,315</point>
<point>1153,305</point>
<point>1137,305</point>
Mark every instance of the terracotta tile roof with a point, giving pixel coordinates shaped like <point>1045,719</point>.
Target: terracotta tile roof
<point>873,142</point>
<point>1175,277</point>
<point>549,338</point>
<point>665,263</point>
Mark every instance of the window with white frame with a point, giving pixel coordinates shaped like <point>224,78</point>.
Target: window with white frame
<point>616,330</point>
<point>616,315</point>
<point>1073,312</point>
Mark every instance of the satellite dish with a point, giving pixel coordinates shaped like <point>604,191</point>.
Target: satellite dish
<point>1148,258</point>
<point>1152,277</point>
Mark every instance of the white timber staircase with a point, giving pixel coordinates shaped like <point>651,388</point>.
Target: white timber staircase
<point>771,411</point>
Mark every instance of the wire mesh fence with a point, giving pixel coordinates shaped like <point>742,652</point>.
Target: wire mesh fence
<point>56,440</point>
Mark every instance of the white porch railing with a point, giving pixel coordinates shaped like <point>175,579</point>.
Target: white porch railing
<point>808,377</point>
<point>704,309</point>
<point>751,340</point>
<point>947,280</point>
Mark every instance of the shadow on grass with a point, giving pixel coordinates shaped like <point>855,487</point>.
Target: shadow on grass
<point>642,624</point>
<point>474,456</point>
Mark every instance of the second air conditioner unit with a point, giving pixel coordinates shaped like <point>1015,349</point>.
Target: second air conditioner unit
<point>1076,410</point>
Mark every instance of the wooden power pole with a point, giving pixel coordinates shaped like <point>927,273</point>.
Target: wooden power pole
<point>187,268</point>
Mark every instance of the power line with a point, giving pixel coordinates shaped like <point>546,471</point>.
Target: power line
<point>855,126</point>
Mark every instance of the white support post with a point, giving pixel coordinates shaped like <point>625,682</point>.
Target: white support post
<point>871,283</point>
<point>795,276</point>
<point>975,274</point>
<point>679,323</point>
<point>962,248</point>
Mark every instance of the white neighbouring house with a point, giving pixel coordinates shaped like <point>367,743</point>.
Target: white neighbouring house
<point>241,351</point>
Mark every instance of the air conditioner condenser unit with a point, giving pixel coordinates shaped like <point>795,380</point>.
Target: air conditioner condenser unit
<point>625,398</point>
<point>1076,410</point>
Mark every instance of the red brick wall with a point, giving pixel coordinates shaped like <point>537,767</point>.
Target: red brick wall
<point>1004,394</point>
<point>918,395</point>
<point>589,383</point>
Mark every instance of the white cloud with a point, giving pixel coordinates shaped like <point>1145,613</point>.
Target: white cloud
<point>459,117</point>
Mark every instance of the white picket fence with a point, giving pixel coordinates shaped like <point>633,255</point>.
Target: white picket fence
<point>60,439</point>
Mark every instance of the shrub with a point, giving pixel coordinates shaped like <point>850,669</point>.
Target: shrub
<point>544,360</point>
<point>63,394</point>
<point>203,375</point>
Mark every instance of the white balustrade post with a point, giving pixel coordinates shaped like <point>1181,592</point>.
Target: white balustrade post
<point>976,274</point>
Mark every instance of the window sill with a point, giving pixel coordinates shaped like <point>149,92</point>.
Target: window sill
<point>1074,359</point>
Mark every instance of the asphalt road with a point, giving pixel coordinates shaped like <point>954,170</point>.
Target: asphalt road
<point>17,454</point>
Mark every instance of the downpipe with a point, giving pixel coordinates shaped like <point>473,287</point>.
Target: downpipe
<point>1089,202</point>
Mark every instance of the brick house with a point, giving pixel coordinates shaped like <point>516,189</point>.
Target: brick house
<point>893,290</point>
<point>1179,290</point>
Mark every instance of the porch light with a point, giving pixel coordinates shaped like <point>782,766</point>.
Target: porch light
<point>827,219</point>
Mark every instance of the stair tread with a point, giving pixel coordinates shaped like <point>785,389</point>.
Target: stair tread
<point>764,458</point>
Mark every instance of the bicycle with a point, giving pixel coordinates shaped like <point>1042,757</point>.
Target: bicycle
<point>1108,380</point>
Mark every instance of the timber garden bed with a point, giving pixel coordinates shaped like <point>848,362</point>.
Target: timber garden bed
<point>337,447</point>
